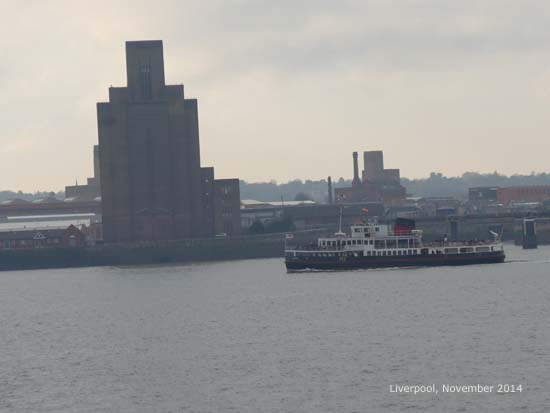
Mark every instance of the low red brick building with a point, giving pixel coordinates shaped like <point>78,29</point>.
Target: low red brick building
<point>534,193</point>
<point>42,238</point>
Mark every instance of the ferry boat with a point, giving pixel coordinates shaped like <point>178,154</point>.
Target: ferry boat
<point>374,245</point>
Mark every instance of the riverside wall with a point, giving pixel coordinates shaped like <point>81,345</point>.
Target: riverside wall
<point>243,247</point>
<point>191,250</point>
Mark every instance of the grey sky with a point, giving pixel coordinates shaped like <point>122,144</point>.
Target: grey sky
<point>287,89</point>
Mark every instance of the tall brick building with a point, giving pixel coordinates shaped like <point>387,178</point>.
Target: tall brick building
<point>152,183</point>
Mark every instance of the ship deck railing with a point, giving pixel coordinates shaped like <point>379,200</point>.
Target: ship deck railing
<point>435,244</point>
<point>471,243</point>
<point>313,248</point>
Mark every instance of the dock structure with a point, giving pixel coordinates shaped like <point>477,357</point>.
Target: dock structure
<point>453,226</point>
<point>529,240</point>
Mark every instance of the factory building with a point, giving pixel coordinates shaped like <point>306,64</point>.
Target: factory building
<point>91,190</point>
<point>376,184</point>
<point>152,183</point>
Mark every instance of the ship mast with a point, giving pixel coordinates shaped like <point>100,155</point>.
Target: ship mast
<point>340,233</point>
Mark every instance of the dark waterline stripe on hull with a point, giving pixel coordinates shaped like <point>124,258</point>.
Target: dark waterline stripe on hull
<point>388,262</point>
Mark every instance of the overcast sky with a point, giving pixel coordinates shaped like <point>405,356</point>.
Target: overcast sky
<point>286,89</point>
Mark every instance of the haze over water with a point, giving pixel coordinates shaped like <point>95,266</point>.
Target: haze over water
<point>246,336</point>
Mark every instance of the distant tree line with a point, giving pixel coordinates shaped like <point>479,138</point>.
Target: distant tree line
<point>435,185</point>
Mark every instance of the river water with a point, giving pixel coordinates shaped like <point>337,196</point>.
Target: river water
<point>245,336</point>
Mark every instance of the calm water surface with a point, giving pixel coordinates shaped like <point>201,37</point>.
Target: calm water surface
<point>246,336</point>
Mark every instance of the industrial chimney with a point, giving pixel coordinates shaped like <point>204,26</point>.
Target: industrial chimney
<point>329,190</point>
<point>356,181</point>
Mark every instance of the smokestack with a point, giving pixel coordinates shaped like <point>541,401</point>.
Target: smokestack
<point>329,190</point>
<point>356,180</point>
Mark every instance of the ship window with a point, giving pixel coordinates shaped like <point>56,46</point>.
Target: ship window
<point>482,249</point>
<point>370,242</point>
<point>379,244</point>
<point>467,249</point>
<point>402,243</point>
<point>390,243</point>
